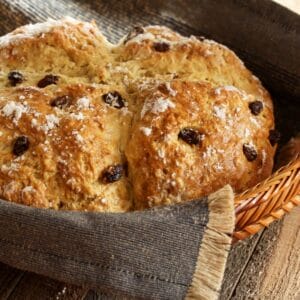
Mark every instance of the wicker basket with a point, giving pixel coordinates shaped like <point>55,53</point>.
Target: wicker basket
<point>268,201</point>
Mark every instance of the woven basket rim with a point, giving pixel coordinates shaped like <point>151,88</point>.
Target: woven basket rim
<point>269,200</point>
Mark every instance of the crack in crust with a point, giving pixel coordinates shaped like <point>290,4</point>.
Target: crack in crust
<point>155,93</point>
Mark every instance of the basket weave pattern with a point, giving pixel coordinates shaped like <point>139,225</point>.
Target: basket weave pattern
<point>268,201</point>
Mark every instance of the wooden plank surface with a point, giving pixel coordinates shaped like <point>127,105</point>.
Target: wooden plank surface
<point>33,286</point>
<point>284,262</point>
<point>9,279</point>
<point>19,285</point>
<point>238,259</point>
<point>273,270</point>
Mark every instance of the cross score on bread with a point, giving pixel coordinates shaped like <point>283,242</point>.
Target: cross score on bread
<point>156,119</point>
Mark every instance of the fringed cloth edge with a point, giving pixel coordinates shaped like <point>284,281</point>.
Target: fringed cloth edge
<point>216,243</point>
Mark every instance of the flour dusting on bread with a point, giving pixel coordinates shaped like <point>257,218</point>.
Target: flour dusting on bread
<point>156,119</point>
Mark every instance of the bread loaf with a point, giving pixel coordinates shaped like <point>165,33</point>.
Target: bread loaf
<point>156,119</point>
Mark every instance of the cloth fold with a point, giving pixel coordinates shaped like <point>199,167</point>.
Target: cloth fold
<point>171,252</point>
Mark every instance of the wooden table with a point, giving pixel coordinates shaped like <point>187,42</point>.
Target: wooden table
<point>266,266</point>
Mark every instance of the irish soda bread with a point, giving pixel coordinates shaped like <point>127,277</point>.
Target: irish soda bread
<point>158,118</point>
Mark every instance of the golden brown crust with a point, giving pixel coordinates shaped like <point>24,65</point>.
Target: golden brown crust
<point>165,169</point>
<point>66,47</point>
<point>188,59</point>
<point>160,83</point>
<point>69,148</point>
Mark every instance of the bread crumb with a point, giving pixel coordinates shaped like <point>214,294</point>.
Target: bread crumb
<point>125,111</point>
<point>254,121</point>
<point>219,112</point>
<point>83,103</point>
<point>170,90</point>
<point>207,53</point>
<point>28,189</point>
<point>159,105</point>
<point>210,151</point>
<point>141,37</point>
<point>263,157</point>
<point>9,168</point>
<point>14,110</point>
<point>78,117</point>
<point>71,182</point>
<point>161,153</point>
<point>147,131</point>
<point>51,122</point>
<point>229,88</point>
<point>34,122</point>
<point>218,167</point>
<point>247,132</point>
<point>77,136</point>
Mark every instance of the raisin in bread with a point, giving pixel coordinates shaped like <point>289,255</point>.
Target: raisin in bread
<point>158,118</point>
